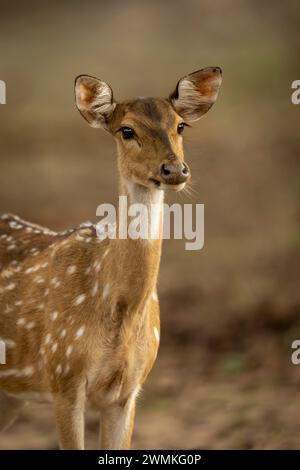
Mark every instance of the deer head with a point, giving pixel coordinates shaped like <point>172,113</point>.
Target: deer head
<point>149,131</point>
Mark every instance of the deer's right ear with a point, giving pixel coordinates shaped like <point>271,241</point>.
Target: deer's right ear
<point>94,100</point>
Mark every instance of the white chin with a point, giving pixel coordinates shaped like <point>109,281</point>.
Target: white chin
<point>172,187</point>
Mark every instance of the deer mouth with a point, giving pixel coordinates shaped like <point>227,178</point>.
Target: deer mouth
<point>165,186</point>
<point>155,182</point>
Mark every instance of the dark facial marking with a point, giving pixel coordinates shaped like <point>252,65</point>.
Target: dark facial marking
<point>162,135</point>
<point>162,120</point>
<point>151,110</point>
<point>158,112</point>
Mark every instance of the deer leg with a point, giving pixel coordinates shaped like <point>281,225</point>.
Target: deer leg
<point>69,414</point>
<point>10,408</point>
<point>116,425</point>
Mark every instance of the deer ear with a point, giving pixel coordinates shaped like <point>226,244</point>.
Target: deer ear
<point>196,93</point>
<point>94,100</point>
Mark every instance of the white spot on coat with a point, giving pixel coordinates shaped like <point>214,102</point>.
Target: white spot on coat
<point>30,325</point>
<point>54,315</point>
<point>7,273</point>
<point>95,289</point>
<point>10,286</point>
<point>32,269</point>
<point>79,299</point>
<point>48,338</point>
<point>11,247</point>
<point>26,372</point>
<point>79,332</point>
<point>71,269</point>
<point>106,290</point>
<point>97,266</point>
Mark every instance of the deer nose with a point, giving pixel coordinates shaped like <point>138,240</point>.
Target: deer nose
<point>174,173</point>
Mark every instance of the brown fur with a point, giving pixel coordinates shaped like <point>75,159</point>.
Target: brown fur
<point>80,316</point>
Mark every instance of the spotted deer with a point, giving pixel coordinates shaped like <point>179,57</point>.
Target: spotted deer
<point>79,315</point>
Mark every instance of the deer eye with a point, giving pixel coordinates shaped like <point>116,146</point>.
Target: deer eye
<point>180,127</point>
<point>127,133</point>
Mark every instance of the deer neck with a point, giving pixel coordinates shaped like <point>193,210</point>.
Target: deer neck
<point>151,201</point>
<point>138,260</point>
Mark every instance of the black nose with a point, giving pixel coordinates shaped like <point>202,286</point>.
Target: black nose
<point>174,173</point>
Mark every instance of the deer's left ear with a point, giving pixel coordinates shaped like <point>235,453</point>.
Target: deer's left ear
<point>196,93</point>
<point>94,100</point>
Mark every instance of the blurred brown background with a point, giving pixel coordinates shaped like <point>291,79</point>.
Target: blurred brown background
<point>223,378</point>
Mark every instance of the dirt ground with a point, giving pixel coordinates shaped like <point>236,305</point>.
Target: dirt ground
<point>204,393</point>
